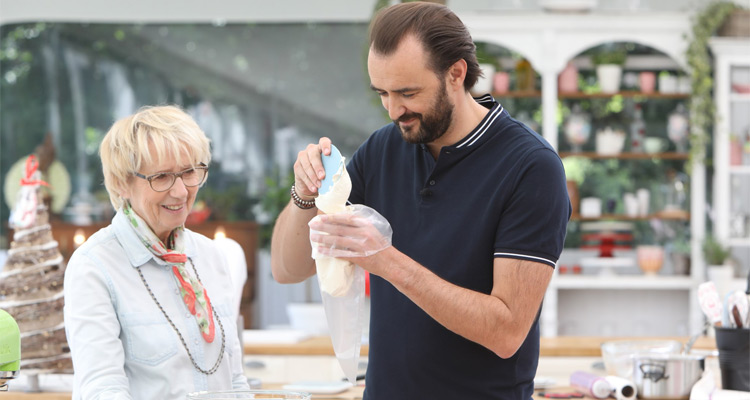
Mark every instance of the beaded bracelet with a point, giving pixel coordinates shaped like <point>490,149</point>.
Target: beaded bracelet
<point>303,204</point>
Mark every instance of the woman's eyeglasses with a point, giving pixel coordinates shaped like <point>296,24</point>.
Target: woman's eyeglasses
<point>164,181</point>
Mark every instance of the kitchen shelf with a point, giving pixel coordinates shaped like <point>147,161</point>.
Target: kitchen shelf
<point>582,95</point>
<point>731,182</point>
<point>739,97</point>
<point>739,242</point>
<point>627,156</point>
<point>622,217</point>
<point>623,282</point>
<point>518,94</point>
<point>652,95</point>
<point>564,38</point>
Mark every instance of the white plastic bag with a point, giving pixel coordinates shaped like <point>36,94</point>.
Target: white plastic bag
<point>342,284</point>
<point>346,315</point>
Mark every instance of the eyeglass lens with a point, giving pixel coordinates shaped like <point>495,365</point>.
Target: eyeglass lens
<point>190,177</point>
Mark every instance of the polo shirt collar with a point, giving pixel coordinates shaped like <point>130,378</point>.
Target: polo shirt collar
<point>135,250</point>
<point>496,112</point>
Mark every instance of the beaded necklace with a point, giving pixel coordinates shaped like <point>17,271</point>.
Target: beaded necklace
<point>184,344</point>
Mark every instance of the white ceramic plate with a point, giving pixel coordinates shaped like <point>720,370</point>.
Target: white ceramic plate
<point>319,387</point>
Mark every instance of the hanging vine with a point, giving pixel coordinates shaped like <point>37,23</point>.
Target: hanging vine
<point>705,24</point>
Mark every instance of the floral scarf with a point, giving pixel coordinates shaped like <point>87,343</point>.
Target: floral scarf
<point>193,293</point>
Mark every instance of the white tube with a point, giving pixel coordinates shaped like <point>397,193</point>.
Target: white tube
<point>623,388</point>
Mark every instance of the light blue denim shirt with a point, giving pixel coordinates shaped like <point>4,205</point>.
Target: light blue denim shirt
<point>121,344</point>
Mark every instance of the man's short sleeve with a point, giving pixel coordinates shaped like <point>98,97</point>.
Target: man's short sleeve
<point>535,218</point>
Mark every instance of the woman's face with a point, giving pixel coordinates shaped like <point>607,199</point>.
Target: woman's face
<point>162,211</point>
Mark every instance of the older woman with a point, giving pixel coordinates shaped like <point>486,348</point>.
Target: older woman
<point>147,302</point>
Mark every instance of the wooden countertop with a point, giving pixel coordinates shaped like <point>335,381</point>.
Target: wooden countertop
<point>314,346</point>
<point>561,346</point>
<point>590,346</point>
<point>34,396</point>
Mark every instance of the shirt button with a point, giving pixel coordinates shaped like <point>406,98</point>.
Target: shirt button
<point>177,292</point>
<point>187,315</point>
<point>432,183</point>
<point>196,341</point>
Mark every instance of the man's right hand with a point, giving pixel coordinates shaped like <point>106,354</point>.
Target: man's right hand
<point>308,169</point>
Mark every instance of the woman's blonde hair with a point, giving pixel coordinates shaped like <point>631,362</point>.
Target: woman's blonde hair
<point>166,130</point>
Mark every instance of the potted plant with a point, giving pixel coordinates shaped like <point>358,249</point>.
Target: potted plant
<point>489,65</point>
<point>575,173</point>
<point>608,60</point>
<point>680,255</point>
<point>716,254</point>
<point>718,270</point>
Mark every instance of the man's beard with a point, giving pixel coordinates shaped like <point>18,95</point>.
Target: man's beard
<point>431,126</point>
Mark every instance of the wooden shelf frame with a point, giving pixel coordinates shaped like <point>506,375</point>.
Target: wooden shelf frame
<point>627,156</point>
<point>582,95</point>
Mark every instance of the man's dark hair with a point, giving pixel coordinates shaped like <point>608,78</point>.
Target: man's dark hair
<point>441,32</point>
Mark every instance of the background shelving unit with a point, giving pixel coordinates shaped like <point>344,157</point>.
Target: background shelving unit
<point>549,42</point>
<point>732,182</point>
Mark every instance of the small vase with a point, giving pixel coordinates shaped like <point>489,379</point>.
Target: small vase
<point>577,128</point>
<point>573,195</point>
<point>667,83</point>
<point>525,76</point>
<point>567,82</point>
<point>501,82</point>
<point>650,259</point>
<point>735,151</point>
<point>608,76</point>
<point>680,263</point>
<point>677,128</point>
<point>484,83</point>
<point>647,81</point>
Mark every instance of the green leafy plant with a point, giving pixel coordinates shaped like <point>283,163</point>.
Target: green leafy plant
<point>681,244</point>
<point>274,200</point>
<point>705,24</point>
<point>485,56</point>
<point>575,168</point>
<point>609,55</point>
<point>715,252</point>
<point>227,204</point>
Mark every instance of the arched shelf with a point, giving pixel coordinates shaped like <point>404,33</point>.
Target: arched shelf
<point>549,41</point>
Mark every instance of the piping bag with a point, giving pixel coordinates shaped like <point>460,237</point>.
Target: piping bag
<point>342,284</point>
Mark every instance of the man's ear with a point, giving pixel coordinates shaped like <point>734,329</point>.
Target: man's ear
<point>457,74</point>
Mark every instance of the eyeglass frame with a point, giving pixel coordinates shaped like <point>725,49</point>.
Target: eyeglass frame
<point>174,176</point>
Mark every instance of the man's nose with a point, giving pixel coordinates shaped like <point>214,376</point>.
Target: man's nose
<point>395,107</point>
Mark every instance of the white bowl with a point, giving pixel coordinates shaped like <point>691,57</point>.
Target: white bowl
<point>653,145</point>
<point>618,354</point>
<point>610,142</point>
<point>308,317</point>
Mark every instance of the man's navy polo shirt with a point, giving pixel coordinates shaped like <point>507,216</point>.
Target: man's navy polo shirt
<point>499,192</point>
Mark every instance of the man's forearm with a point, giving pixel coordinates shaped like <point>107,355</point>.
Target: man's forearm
<point>291,260</point>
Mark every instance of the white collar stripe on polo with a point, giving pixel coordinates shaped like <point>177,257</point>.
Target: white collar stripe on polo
<point>483,128</point>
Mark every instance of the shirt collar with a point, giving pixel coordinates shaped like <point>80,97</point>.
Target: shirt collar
<point>135,250</point>
<point>496,111</point>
